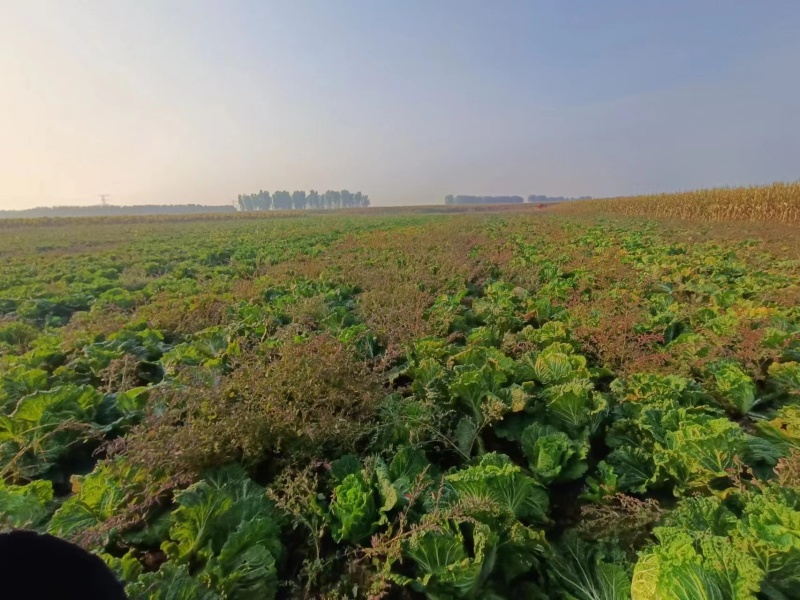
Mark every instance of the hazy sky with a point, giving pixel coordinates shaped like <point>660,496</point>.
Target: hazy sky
<point>165,101</point>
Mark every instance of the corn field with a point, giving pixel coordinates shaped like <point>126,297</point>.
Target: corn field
<point>778,202</point>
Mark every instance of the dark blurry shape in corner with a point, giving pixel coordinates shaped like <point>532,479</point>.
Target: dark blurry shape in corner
<point>34,566</point>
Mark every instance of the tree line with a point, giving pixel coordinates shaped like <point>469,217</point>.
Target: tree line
<point>300,200</point>
<point>461,199</point>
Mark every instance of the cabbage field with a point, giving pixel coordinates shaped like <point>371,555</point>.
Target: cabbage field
<point>488,405</point>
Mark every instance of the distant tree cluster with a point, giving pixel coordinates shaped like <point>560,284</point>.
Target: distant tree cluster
<point>283,200</point>
<point>451,199</point>
<point>539,199</point>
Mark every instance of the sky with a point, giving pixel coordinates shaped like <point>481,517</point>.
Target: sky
<point>167,101</point>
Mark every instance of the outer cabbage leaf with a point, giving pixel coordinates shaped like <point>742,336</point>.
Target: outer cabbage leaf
<point>471,386</point>
<point>678,447</point>
<point>656,390</point>
<point>170,582</point>
<point>702,450</point>
<point>126,567</point>
<point>40,426</point>
<point>479,356</point>
<point>549,333</point>
<point>702,514</point>
<point>129,405</point>
<point>429,378</point>
<point>553,455</point>
<point>496,493</point>
<point>761,454</point>
<point>581,570</point>
<point>572,404</point>
<point>344,466</point>
<point>224,528</point>
<point>354,511</point>
<point>558,364</point>
<point>98,496</point>
<point>770,531</point>
<point>786,376</point>
<point>602,485</point>
<point>644,585</point>
<point>484,336</point>
<point>211,509</point>
<point>465,435</point>
<point>732,387</point>
<point>408,464</point>
<point>446,569</point>
<point>19,382</point>
<point>784,428</point>
<point>498,488</point>
<point>738,574</point>
<point>689,582</point>
<point>429,347</point>
<point>633,469</point>
<point>390,494</point>
<point>521,549</point>
<point>709,568</point>
<point>366,495</point>
<point>24,506</point>
<point>245,567</point>
<point>707,551</point>
<point>406,467</point>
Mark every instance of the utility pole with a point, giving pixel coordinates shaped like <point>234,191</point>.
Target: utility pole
<point>104,199</point>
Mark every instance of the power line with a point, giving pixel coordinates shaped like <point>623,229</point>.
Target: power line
<point>104,199</point>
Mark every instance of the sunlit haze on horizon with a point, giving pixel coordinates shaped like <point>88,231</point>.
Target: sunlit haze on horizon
<point>162,102</point>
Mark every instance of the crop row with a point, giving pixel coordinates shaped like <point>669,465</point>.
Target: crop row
<point>776,203</point>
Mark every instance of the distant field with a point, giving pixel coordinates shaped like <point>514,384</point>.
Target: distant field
<point>434,402</point>
<point>776,203</point>
<point>426,209</point>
